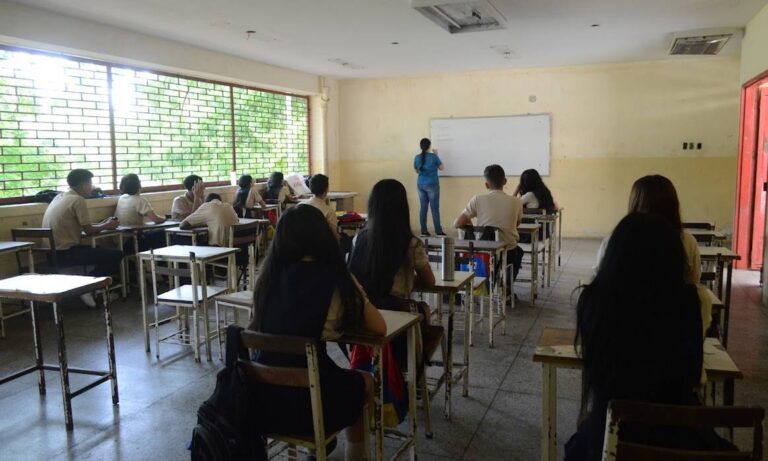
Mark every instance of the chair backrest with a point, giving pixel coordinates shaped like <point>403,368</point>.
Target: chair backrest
<point>705,239</point>
<point>191,271</point>
<point>37,234</point>
<point>244,234</point>
<point>678,416</point>
<point>288,376</point>
<point>708,225</point>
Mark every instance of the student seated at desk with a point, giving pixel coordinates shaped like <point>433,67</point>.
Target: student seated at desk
<point>534,193</point>
<point>277,190</point>
<point>184,205</point>
<point>217,216</point>
<point>247,196</point>
<point>319,184</point>
<point>304,289</point>
<point>497,209</point>
<point>67,216</point>
<point>133,209</point>
<point>641,337</point>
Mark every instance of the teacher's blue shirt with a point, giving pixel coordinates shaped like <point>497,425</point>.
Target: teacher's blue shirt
<point>428,170</point>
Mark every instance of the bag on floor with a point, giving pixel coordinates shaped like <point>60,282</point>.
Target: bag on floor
<point>226,427</point>
<point>395,407</point>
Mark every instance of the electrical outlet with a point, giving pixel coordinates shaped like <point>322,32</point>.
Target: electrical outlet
<point>698,146</point>
<point>685,146</point>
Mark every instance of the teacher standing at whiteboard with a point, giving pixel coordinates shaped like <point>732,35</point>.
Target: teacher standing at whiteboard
<point>426,165</point>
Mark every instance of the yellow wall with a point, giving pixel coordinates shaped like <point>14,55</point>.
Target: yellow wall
<point>754,47</point>
<point>610,124</point>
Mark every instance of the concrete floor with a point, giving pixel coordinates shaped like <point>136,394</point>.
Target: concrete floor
<point>158,399</point>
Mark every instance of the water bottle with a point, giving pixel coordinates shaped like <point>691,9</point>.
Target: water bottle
<point>448,258</point>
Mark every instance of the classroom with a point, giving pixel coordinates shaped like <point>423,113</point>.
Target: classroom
<point>383,229</point>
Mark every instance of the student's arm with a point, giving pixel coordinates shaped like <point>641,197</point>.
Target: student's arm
<point>425,278</point>
<point>373,322</point>
<point>465,218</point>
<point>193,220</point>
<point>519,212</point>
<point>94,228</point>
<point>157,219</point>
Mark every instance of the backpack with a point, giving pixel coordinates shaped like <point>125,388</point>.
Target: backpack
<point>227,428</point>
<point>45,196</point>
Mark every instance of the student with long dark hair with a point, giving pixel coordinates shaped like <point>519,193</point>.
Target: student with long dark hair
<point>427,165</point>
<point>641,336</point>
<point>387,258</point>
<point>305,289</point>
<point>246,196</point>
<point>277,189</point>
<point>534,193</point>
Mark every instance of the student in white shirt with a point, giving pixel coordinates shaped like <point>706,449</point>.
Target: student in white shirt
<point>497,209</point>
<point>534,193</point>
<point>133,209</point>
<point>247,196</point>
<point>217,216</point>
<point>319,184</point>
<point>67,216</point>
<point>184,205</point>
<point>277,189</point>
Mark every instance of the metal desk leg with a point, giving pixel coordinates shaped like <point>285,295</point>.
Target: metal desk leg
<point>412,373</point>
<point>123,269</point>
<point>206,323</point>
<point>550,253</point>
<point>467,329</point>
<point>727,302</point>
<point>38,347</point>
<point>534,267</point>
<point>549,413</point>
<point>504,262</point>
<point>143,291</point>
<point>491,303</point>
<point>449,357</point>
<point>378,402</point>
<point>110,348</point>
<point>559,236</point>
<point>64,368</point>
<point>31,257</point>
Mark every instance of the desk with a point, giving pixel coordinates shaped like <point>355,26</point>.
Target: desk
<point>706,234</point>
<point>52,288</point>
<point>397,323</point>
<point>533,231</point>
<point>194,232</point>
<point>345,201</point>
<point>555,350</point>
<point>247,212</point>
<point>93,239</point>
<point>549,221</point>
<point>179,254</point>
<point>724,259</point>
<point>15,248</point>
<point>461,281</point>
<point>137,229</point>
<point>496,251</point>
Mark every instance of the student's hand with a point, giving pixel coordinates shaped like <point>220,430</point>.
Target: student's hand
<point>111,223</point>
<point>198,189</point>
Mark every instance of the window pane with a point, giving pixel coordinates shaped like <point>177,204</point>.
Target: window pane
<point>169,127</point>
<point>271,132</point>
<point>54,116</point>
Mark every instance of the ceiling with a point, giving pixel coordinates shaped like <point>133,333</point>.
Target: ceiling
<point>353,38</point>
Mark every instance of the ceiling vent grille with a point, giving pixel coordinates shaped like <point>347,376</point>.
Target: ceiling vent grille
<point>455,16</point>
<point>699,45</point>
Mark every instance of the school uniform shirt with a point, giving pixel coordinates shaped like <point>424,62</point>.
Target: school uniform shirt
<point>218,217</point>
<point>132,209</point>
<point>66,215</point>
<point>285,192</point>
<point>328,212</point>
<point>428,169</point>
<point>253,198</point>
<point>182,207</point>
<point>498,209</point>
<point>416,259</point>
<point>332,329</point>
<point>529,200</point>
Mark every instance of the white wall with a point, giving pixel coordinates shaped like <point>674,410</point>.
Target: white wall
<point>754,47</point>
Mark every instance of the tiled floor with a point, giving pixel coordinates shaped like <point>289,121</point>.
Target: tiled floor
<point>499,420</point>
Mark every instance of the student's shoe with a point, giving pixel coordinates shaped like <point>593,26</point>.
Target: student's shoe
<point>88,300</point>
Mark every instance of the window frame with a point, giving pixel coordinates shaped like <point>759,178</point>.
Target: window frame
<point>110,65</point>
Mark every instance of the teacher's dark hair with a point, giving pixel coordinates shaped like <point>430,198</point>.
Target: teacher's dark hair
<point>530,181</point>
<point>425,144</point>
<point>303,232</point>
<point>657,195</point>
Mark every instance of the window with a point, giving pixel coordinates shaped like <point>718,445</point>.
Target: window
<point>55,115</point>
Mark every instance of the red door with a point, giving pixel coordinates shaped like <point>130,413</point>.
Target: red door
<point>761,180</point>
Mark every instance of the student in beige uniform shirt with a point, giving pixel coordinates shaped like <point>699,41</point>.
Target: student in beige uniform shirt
<point>318,184</point>
<point>133,209</point>
<point>185,205</point>
<point>497,209</point>
<point>217,216</point>
<point>67,216</point>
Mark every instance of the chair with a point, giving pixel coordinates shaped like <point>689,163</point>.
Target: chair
<point>678,416</point>
<point>308,378</point>
<point>238,301</point>
<point>38,234</point>
<point>194,297</point>
<point>543,241</point>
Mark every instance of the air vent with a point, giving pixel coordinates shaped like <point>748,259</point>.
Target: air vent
<point>699,45</point>
<point>457,17</point>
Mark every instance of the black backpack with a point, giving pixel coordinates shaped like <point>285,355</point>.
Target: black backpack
<point>227,428</point>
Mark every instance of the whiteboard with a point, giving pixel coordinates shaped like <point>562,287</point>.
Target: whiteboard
<point>467,145</point>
